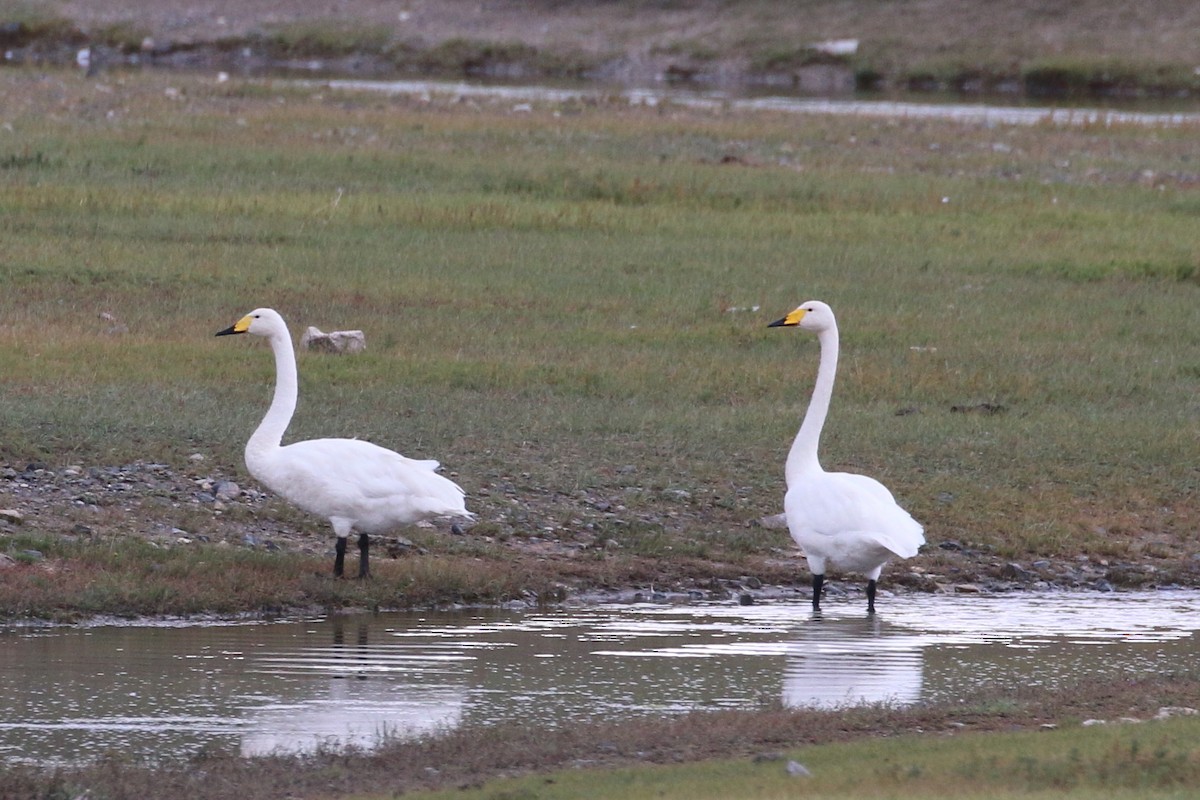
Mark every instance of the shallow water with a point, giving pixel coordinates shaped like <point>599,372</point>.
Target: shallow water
<point>976,113</point>
<point>164,691</point>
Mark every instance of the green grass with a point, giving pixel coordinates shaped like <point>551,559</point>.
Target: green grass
<point>1123,762</point>
<point>563,295</point>
<point>66,580</point>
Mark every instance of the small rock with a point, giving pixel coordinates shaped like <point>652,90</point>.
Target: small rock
<point>1015,572</point>
<point>797,769</point>
<point>836,47</point>
<point>227,490</point>
<point>774,522</point>
<point>745,599</point>
<point>197,457</point>
<point>1089,723</point>
<point>33,555</point>
<point>1175,711</point>
<point>7,562</point>
<point>967,588</point>
<point>11,515</point>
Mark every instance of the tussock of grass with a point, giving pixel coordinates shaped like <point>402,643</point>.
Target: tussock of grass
<point>131,578</point>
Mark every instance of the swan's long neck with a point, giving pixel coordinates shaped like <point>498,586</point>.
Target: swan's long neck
<point>803,455</point>
<point>269,434</point>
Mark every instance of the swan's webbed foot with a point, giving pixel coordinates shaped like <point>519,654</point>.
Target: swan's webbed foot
<point>817,583</point>
<point>871,597</point>
<point>364,546</point>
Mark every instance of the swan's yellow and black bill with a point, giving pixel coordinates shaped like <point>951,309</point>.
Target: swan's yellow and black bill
<point>791,319</point>
<point>241,326</point>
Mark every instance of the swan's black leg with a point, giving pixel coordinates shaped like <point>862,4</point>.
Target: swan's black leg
<point>871,597</point>
<point>818,582</point>
<point>339,559</point>
<point>364,545</point>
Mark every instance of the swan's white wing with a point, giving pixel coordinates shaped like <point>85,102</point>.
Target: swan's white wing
<point>822,507</point>
<point>372,486</point>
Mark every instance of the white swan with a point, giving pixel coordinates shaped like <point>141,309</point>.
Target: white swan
<point>354,484</point>
<point>849,521</point>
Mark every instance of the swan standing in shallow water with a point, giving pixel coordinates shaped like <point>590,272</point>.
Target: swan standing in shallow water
<point>849,521</point>
<point>356,485</point>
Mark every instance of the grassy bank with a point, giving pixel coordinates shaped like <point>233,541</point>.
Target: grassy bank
<point>129,577</point>
<point>989,746</point>
<point>1096,763</point>
<point>567,307</point>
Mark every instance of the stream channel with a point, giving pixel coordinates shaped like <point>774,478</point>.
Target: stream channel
<point>1184,113</point>
<point>169,689</point>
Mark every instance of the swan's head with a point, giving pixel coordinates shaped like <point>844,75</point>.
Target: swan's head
<point>260,322</point>
<point>811,316</point>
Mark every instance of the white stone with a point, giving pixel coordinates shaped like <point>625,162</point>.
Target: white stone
<point>11,515</point>
<point>1175,711</point>
<point>837,47</point>
<point>334,341</point>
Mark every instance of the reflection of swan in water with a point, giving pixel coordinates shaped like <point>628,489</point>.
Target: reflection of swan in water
<point>841,662</point>
<point>349,695</point>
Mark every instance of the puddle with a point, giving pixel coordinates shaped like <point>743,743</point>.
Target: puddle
<point>975,113</point>
<point>77,693</point>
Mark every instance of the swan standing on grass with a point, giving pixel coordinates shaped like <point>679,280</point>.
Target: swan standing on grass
<point>849,521</point>
<point>354,484</point>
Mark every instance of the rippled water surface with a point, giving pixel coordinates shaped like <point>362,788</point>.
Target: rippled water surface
<point>72,693</point>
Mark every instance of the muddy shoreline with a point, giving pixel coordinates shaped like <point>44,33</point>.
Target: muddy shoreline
<point>624,47</point>
<point>202,507</point>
